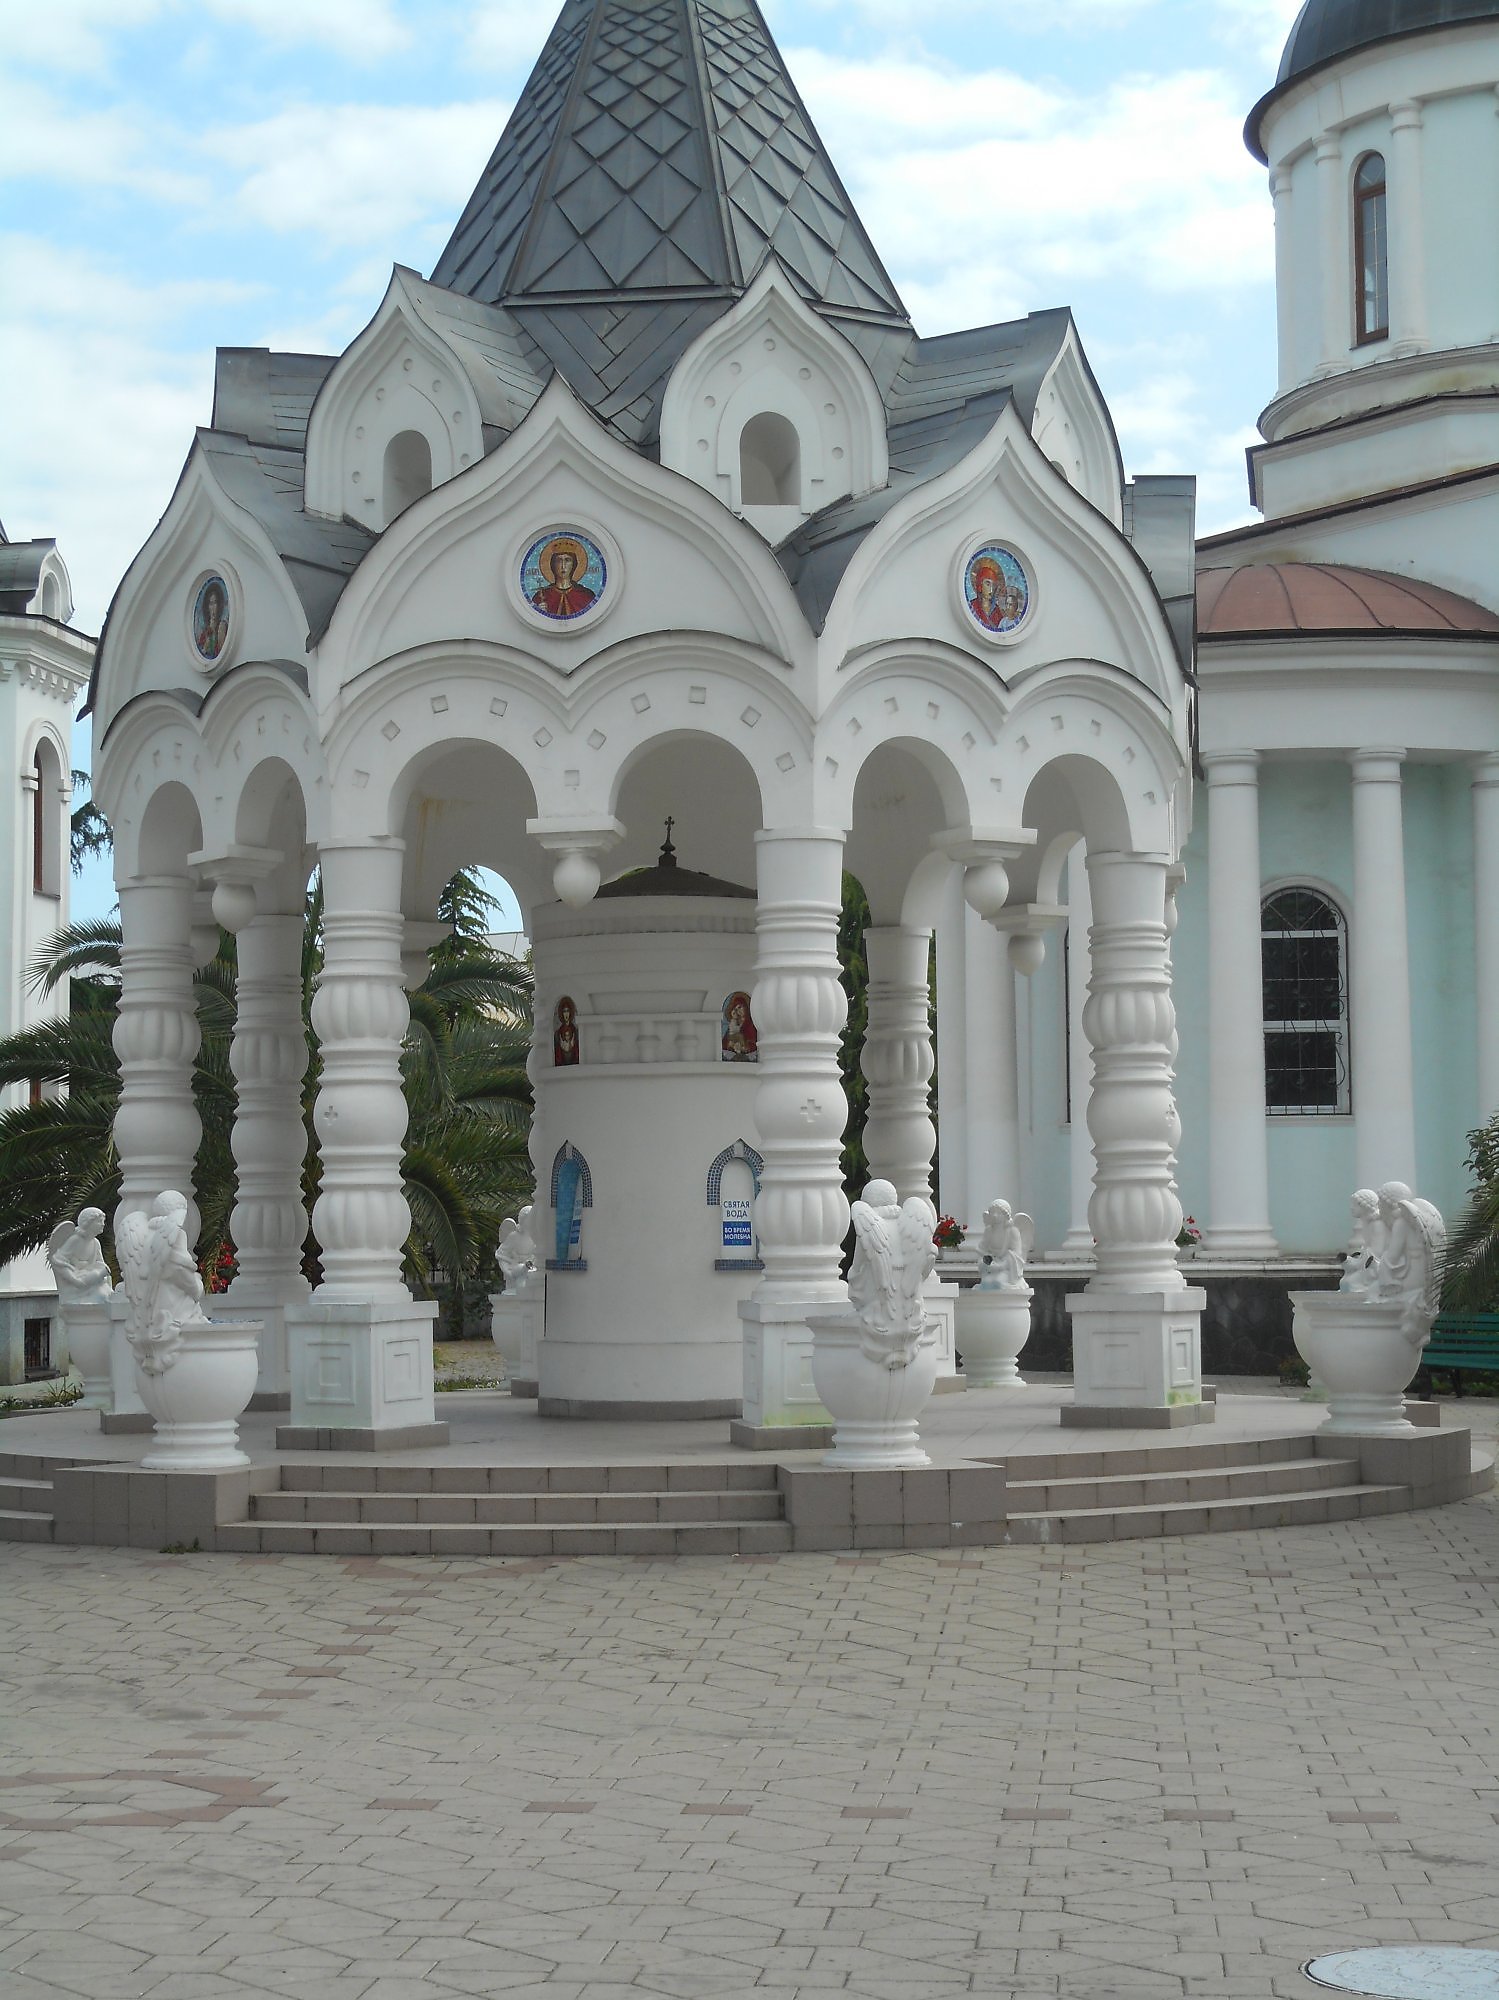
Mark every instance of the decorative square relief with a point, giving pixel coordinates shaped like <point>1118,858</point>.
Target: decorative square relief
<point>400,1371</point>
<point>1116,1362</point>
<point>330,1371</point>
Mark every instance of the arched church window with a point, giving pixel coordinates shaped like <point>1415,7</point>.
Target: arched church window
<point>1371,249</point>
<point>46,823</point>
<point>51,597</point>
<point>1304,962</point>
<point>770,462</point>
<point>408,472</point>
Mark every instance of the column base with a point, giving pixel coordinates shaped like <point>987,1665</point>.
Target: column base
<point>267,1302</point>
<point>1135,1417</point>
<point>942,1307</point>
<point>779,1392</point>
<point>1137,1351</point>
<point>362,1365</point>
<point>390,1437</point>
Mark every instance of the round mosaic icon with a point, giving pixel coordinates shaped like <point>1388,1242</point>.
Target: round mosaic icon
<point>996,589</point>
<point>211,619</point>
<point>564,574</point>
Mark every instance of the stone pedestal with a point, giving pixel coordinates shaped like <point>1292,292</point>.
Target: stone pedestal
<point>361,1376</point>
<point>1137,1359</point>
<point>781,1404</point>
<point>1358,1349</point>
<point>124,1396</point>
<point>88,1340</point>
<point>993,1327</point>
<point>515,1328</point>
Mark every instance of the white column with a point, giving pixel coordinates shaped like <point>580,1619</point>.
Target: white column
<point>952,1044</point>
<point>991,1071</point>
<point>268,1057</point>
<point>801,1213</point>
<point>899,1136</point>
<point>1333,212</point>
<point>1486,928</point>
<point>1079,1239</point>
<point>1407,234</point>
<point>1379,985</point>
<point>1238,1162</point>
<point>156,1126</point>
<point>361,1347</point>
<point>1137,1327</point>
<point>1285,277</point>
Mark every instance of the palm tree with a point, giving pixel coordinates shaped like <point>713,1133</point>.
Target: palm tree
<point>463,1066</point>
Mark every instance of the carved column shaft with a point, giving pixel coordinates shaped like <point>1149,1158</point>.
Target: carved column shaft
<point>800,1010</point>
<point>268,1057</point>
<point>156,1037</point>
<point>897,1060</point>
<point>361,1219</point>
<point>1130,1023</point>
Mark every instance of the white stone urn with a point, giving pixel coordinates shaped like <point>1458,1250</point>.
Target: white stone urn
<point>198,1395</point>
<point>874,1406</point>
<point>1361,1350</point>
<point>993,1326</point>
<point>86,1324</point>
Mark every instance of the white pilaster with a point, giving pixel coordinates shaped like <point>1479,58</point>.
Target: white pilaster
<point>156,1037</point>
<point>1079,1239</point>
<point>990,1071</point>
<point>1238,1163</point>
<point>1486,928</point>
<point>1137,1327</point>
<point>1407,234</point>
<point>1285,278</point>
<point>1333,212</point>
<point>361,1347</point>
<point>1379,985</point>
<point>952,1035</point>
<point>801,1213</point>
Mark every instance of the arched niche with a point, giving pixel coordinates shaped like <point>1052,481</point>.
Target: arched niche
<point>733,1186</point>
<point>708,787</point>
<point>407,473</point>
<point>170,830</point>
<point>462,805</point>
<point>906,793</point>
<point>571,1195</point>
<point>49,809</point>
<point>770,462</point>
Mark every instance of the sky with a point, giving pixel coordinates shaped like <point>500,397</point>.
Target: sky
<point>177,175</point>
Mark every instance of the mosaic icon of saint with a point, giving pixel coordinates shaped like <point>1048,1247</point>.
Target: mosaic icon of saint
<point>211,618</point>
<point>740,1038</point>
<point>566,1050</point>
<point>995,590</point>
<point>563,563</point>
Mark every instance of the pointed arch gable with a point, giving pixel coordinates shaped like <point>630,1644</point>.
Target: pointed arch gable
<point>1072,426</point>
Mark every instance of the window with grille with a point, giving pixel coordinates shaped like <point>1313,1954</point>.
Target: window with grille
<point>1304,961</point>
<point>1371,249</point>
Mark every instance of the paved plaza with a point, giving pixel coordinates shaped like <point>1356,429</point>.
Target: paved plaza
<point>1143,1768</point>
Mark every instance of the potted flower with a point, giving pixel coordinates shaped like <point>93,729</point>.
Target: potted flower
<point>948,1235</point>
<point>1189,1236</point>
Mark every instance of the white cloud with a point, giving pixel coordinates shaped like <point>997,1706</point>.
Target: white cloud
<point>506,36</point>
<point>48,138</point>
<point>366,31</point>
<point>358,174</point>
<point>71,36</point>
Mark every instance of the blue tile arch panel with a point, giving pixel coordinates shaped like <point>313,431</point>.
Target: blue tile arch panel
<point>740,1150</point>
<point>568,1151</point>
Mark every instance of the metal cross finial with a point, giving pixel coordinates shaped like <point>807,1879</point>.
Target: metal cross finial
<point>668,852</point>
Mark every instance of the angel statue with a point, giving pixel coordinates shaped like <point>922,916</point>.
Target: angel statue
<point>160,1280</point>
<point>1007,1241</point>
<point>1409,1272</point>
<point>77,1261</point>
<point>517,1255</point>
<point>894,1255</point>
<point>1361,1260</point>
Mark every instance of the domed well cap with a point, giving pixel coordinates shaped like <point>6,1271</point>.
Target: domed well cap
<point>1326,30</point>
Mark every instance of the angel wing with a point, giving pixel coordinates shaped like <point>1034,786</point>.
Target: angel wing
<point>134,1249</point>
<point>61,1235</point>
<point>918,1252</point>
<point>1427,1218</point>
<point>1027,1228</point>
<point>872,1280</point>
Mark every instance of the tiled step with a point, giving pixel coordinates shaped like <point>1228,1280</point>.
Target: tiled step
<point>694,1476</point>
<point>19,1524</point>
<point>30,1496</point>
<point>413,1538</point>
<point>588,1509</point>
<point>1105,1462</point>
<point>1204,1517</point>
<point>1181,1484</point>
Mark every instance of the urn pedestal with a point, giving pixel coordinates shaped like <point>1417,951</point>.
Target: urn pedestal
<point>1356,1347</point>
<point>86,1324</point>
<point>874,1408</point>
<point>199,1396</point>
<point>993,1326</point>
<point>515,1327</point>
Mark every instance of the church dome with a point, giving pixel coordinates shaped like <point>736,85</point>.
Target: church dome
<point>1274,600</point>
<point>1327,30</point>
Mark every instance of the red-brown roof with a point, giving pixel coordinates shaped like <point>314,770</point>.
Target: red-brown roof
<point>1262,599</point>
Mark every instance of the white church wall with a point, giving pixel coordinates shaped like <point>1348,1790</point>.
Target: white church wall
<point>1438,816</point>
<point>1447,537</point>
<point>1401,447</point>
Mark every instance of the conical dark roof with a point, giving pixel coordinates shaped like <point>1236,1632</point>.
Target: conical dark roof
<point>660,152</point>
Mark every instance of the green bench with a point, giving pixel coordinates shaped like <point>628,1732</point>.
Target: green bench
<point>1460,1341</point>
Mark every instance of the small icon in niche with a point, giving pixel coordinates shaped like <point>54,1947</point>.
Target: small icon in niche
<point>563,574</point>
<point>996,589</point>
<point>565,1047</point>
<point>211,618</point>
<point>740,1040</point>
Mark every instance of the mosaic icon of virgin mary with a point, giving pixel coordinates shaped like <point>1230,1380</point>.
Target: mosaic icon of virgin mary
<point>211,618</point>
<point>995,588</point>
<point>563,574</point>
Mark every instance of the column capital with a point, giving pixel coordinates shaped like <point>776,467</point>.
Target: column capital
<point>1485,768</point>
<point>1329,148</point>
<point>1230,767</point>
<point>1406,114</point>
<point>1280,182</point>
<point>1377,765</point>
